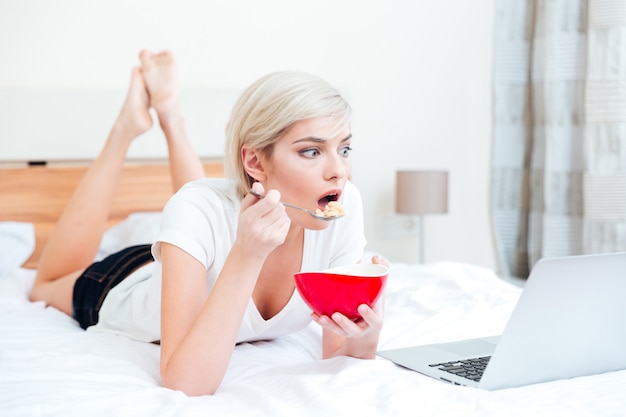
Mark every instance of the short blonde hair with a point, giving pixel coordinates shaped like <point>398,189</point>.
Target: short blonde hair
<point>269,107</point>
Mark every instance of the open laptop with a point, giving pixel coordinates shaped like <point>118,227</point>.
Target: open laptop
<point>570,321</point>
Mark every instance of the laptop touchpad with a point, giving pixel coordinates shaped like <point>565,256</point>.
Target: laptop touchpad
<point>469,348</point>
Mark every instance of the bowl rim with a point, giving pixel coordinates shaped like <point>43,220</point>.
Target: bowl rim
<point>358,270</point>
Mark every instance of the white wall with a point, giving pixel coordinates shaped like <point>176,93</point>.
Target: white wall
<point>417,72</point>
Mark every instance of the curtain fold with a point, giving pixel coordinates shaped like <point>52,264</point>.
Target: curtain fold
<point>559,145</point>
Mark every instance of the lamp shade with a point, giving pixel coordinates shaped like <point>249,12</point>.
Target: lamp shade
<point>422,192</point>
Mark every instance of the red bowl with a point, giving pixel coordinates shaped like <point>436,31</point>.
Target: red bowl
<point>342,289</point>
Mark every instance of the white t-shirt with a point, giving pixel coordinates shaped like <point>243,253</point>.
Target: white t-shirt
<point>201,219</point>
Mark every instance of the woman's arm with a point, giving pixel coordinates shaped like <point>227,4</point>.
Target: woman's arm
<point>198,334</point>
<point>199,330</point>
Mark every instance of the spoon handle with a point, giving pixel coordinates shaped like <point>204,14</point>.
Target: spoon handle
<point>258,195</point>
<point>312,213</point>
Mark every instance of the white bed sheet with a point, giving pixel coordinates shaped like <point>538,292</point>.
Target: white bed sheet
<point>50,367</point>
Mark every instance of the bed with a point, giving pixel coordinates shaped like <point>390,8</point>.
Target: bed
<point>50,367</point>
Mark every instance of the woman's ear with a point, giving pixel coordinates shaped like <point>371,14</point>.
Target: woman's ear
<point>252,163</point>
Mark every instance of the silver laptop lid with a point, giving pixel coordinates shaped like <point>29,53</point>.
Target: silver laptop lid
<point>570,321</point>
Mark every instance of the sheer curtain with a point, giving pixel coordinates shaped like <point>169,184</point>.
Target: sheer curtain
<point>559,150</point>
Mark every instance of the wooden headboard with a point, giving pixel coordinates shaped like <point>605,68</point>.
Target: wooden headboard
<point>38,194</point>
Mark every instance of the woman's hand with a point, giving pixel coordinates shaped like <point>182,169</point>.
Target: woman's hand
<point>359,338</point>
<point>263,223</point>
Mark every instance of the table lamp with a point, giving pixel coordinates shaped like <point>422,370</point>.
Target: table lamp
<point>419,193</point>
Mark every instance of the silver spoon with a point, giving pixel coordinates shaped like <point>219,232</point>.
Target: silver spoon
<point>312,213</point>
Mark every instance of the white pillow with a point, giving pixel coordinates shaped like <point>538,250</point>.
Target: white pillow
<point>137,229</point>
<point>17,243</point>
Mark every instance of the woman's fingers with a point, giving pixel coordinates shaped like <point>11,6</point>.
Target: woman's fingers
<point>263,223</point>
<point>343,326</point>
<point>377,259</point>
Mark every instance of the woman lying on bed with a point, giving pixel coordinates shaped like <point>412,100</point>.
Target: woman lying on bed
<point>225,259</point>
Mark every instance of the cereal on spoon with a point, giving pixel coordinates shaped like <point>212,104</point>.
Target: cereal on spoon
<point>332,209</point>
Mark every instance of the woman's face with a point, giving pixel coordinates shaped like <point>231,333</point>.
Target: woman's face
<point>310,165</point>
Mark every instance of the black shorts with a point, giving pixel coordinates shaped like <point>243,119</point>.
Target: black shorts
<point>100,277</point>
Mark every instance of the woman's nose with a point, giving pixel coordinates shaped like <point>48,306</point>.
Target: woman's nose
<point>337,166</point>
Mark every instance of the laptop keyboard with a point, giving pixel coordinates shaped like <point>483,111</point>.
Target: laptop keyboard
<point>471,369</point>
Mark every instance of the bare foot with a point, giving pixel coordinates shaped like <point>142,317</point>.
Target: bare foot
<point>134,117</point>
<point>161,79</point>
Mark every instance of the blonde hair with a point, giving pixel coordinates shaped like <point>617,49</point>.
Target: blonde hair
<point>269,107</point>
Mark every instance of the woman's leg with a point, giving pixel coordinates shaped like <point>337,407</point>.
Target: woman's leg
<point>74,243</point>
<point>160,75</point>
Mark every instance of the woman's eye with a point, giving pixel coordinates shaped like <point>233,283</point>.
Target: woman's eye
<point>345,151</point>
<point>310,153</point>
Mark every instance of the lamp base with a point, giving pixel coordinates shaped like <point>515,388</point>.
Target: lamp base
<point>420,221</point>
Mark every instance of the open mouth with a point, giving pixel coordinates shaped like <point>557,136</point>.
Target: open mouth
<point>323,202</point>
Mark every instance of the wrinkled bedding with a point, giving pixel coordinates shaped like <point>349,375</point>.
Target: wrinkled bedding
<point>50,367</point>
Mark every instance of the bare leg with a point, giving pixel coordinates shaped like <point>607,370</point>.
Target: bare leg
<point>160,75</point>
<point>74,243</point>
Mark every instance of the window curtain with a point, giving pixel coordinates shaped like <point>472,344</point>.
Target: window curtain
<point>559,138</point>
